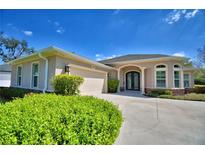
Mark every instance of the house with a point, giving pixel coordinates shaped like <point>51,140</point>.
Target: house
<point>137,72</point>
<point>5,75</point>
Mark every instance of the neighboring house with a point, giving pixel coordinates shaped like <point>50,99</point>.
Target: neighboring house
<point>5,75</point>
<point>140,72</point>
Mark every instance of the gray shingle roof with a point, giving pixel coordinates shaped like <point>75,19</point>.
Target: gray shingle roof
<point>131,57</point>
<point>5,68</point>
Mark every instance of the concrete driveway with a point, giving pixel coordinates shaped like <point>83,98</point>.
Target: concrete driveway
<point>159,121</point>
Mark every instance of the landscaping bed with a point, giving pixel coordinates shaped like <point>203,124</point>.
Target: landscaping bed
<point>191,96</point>
<point>56,119</point>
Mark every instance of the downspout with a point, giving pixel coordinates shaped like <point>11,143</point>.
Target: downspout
<point>46,73</point>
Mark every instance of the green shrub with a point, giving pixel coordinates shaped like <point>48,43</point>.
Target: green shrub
<point>113,85</point>
<point>11,93</point>
<point>200,81</point>
<point>158,92</point>
<point>57,119</point>
<point>67,84</point>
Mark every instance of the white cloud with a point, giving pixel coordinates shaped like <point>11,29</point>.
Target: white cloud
<point>28,33</point>
<point>115,12</point>
<point>9,24</point>
<point>175,15</point>
<point>56,23</point>
<point>102,57</point>
<point>179,54</point>
<point>191,14</point>
<point>97,55</point>
<point>58,28</point>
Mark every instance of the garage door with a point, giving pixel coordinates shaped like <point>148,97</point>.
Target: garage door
<point>5,79</point>
<point>94,82</point>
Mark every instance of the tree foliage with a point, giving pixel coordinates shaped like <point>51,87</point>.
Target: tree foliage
<point>201,56</point>
<point>11,48</point>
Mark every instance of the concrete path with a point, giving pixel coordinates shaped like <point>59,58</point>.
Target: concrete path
<point>158,121</point>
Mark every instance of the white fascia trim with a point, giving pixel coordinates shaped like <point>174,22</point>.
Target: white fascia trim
<point>81,58</point>
<point>147,60</point>
<point>46,73</point>
<point>86,68</point>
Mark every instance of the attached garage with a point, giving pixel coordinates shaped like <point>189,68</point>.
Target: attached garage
<point>95,81</point>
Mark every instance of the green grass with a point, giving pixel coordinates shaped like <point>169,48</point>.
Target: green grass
<point>198,85</point>
<point>191,96</point>
<point>56,119</point>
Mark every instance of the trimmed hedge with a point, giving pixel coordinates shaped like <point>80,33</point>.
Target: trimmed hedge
<point>112,85</point>
<point>11,93</point>
<point>56,119</point>
<point>65,84</point>
<point>158,92</point>
<point>200,81</point>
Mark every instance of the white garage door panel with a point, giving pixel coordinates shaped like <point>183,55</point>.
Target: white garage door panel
<point>93,81</point>
<point>92,85</point>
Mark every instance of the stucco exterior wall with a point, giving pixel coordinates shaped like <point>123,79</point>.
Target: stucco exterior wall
<point>93,79</point>
<point>150,72</point>
<point>27,73</point>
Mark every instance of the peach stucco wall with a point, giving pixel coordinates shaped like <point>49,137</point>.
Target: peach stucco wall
<point>149,72</point>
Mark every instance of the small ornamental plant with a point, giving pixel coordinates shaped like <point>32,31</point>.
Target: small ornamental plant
<point>65,84</point>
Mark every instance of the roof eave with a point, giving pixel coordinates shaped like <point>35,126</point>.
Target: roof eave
<point>54,50</point>
<point>146,60</point>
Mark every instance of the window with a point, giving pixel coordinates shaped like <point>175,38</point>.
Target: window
<point>177,66</point>
<point>186,80</point>
<point>160,66</point>
<point>35,75</point>
<point>176,75</point>
<point>160,76</point>
<point>161,79</point>
<point>19,75</point>
<point>176,79</point>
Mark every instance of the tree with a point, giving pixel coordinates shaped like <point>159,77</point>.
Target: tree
<point>200,72</point>
<point>11,48</point>
<point>201,56</point>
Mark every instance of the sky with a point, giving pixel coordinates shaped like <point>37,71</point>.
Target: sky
<point>102,34</point>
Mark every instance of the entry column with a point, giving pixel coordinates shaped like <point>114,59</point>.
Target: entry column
<point>143,80</point>
<point>118,77</point>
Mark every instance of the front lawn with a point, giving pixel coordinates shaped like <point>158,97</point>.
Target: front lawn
<point>191,96</point>
<point>57,119</point>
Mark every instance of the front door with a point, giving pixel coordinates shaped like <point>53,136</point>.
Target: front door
<point>133,80</point>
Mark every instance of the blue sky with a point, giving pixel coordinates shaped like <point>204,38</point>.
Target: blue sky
<point>101,34</point>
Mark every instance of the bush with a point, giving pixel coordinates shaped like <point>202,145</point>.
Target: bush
<point>200,81</point>
<point>158,92</point>
<point>11,93</point>
<point>196,89</point>
<point>113,85</point>
<point>56,119</point>
<point>67,84</point>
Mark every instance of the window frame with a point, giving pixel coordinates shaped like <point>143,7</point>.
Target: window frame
<point>32,76</point>
<point>174,79</point>
<point>179,69</point>
<point>17,75</point>
<point>189,80</point>
<point>166,75</point>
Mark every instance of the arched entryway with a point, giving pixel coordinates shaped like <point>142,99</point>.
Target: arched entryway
<point>133,81</point>
<point>139,85</point>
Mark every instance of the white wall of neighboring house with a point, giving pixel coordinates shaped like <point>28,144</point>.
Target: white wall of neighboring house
<point>5,79</point>
<point>5,75</point>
